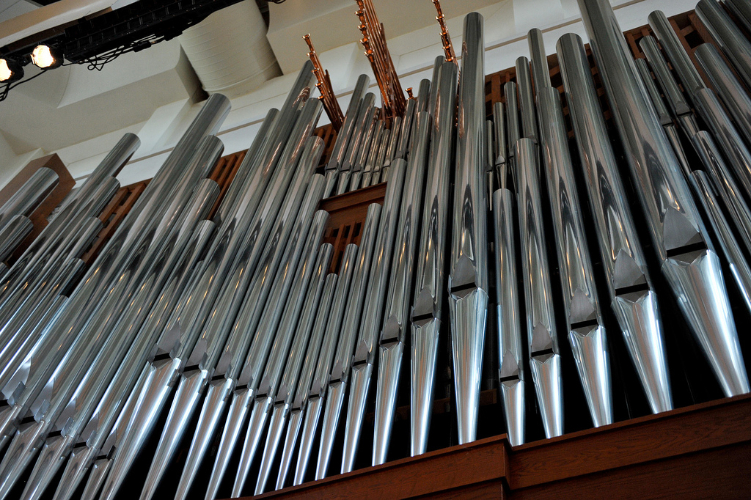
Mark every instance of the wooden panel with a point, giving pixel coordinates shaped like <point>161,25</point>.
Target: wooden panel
<point>698,452</point>
<point>39,215</point>
<point>429,474</point>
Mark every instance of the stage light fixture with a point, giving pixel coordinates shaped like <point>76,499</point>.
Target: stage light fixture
<point>46,57</point>
<point>10,70</point>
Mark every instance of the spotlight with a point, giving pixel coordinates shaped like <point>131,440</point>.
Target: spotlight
<point>10,71</point>
<point>46,57</point>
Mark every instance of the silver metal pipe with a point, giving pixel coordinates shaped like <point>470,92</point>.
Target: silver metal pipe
<point>654,94</point>
<point>279,322</point>
<point>674,222</point>
<point>364,114</point>
<point>731,40</point>
<point>91,359</point>
<point>526,99</point>
<point>29,195</point>
<point>343,135</point>
<point>281,228</point>
<point>393,327</point>
<point>468,276</point>
<point>369,169</point>
<point>427,309</point>
<point>742,11</point>
<point>181,334</point>
<point>297,397</point>
<point>96,434</point>
<point>121,255</point>
<point>542,334</point>
<point>731,143</point>
<point>490,175</point>
<point>739,267</point>
<point>364,153</point>
<point>396,131</point>
<point>338,377</point>
<point>70,411</point>
<point>406,127</point>
<point>586,331</point>
<point>539,60</point>
<point>302,303</point>
<point>381,158</point>
<point>315,397</point>
<point>273,225</point>
<point>732,94</point>
<point>679,105</point>
<point>513,128</point>
<point>676,54</point>
<point>437,65</point>
<point>510,353</point>
<point>500,154</point>
<point>13,233</point>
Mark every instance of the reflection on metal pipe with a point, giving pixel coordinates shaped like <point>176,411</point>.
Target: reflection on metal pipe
<point>526,99</point>
<point>731,92</point>
<point>731,40</point>
<point>468,278</point>
<point>510,353</point>
<point>297,397</point>
<point>688,261</point>
<point>676,55</point>
<point>317,393</point>
<point>338,377</point>
<point>427,309</point>
<point>586,332</point>
<point>542,336</point>
<point>400,293</point>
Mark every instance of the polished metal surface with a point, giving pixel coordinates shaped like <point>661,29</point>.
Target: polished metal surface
<point>539,60</point>
<point>370,162</point>
<point>338,376</point>
<point>732,94</point>
<point>13,233</point>
<point>742,11</point>
<point>317,393</point>
<point>298,396</point>
<point>586,331</point>
<point>343,136</point>
<point>727,136</point>
<point>674,222</point>
<point>427,309</point>
<point>621,253</point>
<point>732,41</point>
<point>739,268</point>
<point>29,195</point>
<point>542,335</point>
<point>526,99</point>
<point>510,351</point>
<point>468,267</point>
<point>676,54</point>
<point>365,344</point>
<point>394,325</point>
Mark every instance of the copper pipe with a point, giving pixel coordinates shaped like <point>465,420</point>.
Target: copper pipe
<point>448,47</point>
<point>328,98</point>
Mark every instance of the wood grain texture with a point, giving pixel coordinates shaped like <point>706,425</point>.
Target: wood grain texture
<point>702,451</point>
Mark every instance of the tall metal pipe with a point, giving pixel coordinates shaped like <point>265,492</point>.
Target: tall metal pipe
<point>318,385</point>
<point>29,195</point>
<point>338,377</point>
<point>427,308</point>
<point>674,49</point>
<point>297,397</point>
<point>731,40</point>
<point>730,90</point>
<point>687,259</point>
<point>526,99</point>
<point>468,278</point>
<point>586,331</point>
<point>542,334</point>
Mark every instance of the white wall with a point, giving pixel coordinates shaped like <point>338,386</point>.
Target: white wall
<point>506,24</point>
